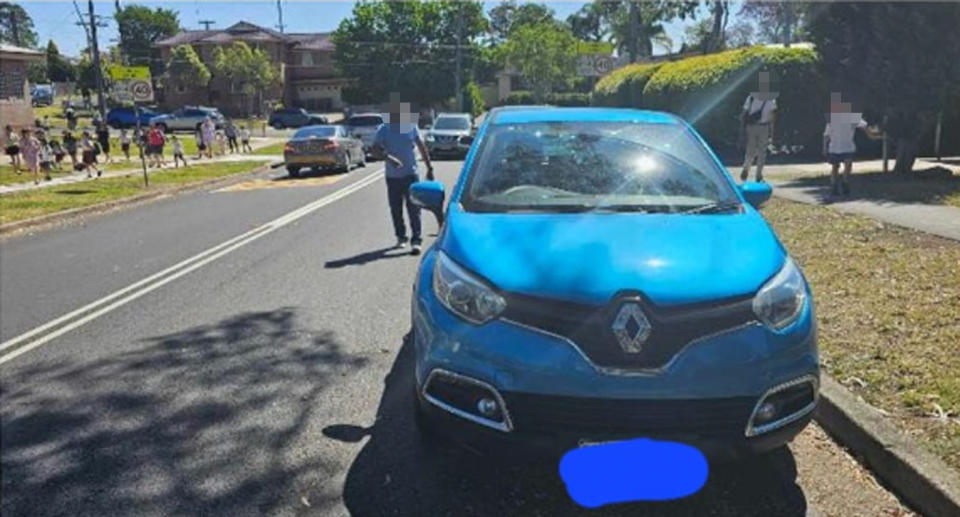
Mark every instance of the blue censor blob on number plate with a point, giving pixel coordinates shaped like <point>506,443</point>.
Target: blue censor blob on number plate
<point>633,470</point>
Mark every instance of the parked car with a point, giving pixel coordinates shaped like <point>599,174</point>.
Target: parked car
<point>295,117</point>
<point>450,135</point>
<point>126,117</point>
<point>599,276</point>
<point>323,147</point>
<point>42,94</point>
<point>364,126</point>
<point>188,118</point>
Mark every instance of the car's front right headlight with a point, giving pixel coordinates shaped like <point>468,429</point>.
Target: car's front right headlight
<point>780,301</point>
<point>463,293</point>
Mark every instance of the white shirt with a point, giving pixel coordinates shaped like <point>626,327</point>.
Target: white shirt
<point>753,105</point>
<point>177,147</point>
<point>124,137</point>
<point>245,134</point>
<point>840,131</point>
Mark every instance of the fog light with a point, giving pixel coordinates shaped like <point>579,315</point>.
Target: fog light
<point>487,407</point>
<point>765,412</point>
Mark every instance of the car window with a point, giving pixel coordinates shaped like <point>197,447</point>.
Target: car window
<point>453,123</point>
<point>316,132</point>
<point>594,165</point>
<point>366,120</point>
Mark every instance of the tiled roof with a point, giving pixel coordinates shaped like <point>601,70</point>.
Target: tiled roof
<point>13,49</point>
<point>245,31</point>
<point>312,41</point>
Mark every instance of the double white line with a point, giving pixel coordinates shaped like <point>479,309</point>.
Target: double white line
<point>41,335</point>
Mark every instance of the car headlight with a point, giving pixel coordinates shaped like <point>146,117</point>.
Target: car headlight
<point>779,302</point>
<point>463,293</point>
<point>429,137</point>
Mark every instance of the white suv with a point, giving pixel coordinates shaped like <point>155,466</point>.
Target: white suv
<point>364,126</point>
<point>187,118</point>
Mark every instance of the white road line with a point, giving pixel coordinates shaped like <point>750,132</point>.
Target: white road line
<point>142,287</point>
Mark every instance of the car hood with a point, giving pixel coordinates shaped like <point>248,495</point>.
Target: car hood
<point>449,132</point>
<point>588,258</point>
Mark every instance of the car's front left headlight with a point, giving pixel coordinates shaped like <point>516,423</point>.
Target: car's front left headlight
<point>780,301</point>
<point>463,293</point>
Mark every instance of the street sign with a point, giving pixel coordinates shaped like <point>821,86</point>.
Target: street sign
<point>594,65</point>
<point>131,83</point>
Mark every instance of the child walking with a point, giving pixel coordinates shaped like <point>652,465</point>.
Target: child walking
<point>30,150</point>
<point>178,151</point>
<point>838,144</point>
<point>12,147</point>
<point>88,154</point>
<point>46,157</point>
<point>70,146</point>
<point>245,139</point>
<point>58,153</point>
<point>125,143</point>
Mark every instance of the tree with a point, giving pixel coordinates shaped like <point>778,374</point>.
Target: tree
<point>59,70</point>
<point>185,67</point>
<point>140,27</point>
<point>509,15</point>
<point>740,34</point>
<point>891,59</point>
<point>544,54</point>
<point>778,22</point>
<point>16,26</point>
<point>589,23</point>
<point>37,72</point>
<point>408,48</point>
<point>244,68</point>
<point>697,36</point>
<point>650,16</point>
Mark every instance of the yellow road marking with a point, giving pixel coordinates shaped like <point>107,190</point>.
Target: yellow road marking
<point>284,182</point>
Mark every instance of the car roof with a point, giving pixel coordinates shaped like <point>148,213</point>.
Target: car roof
<point>371,114</point>
<point>531,114</point>
<point>452,114</point>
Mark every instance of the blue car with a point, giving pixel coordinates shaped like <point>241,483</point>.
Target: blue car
<point>599,276</point>
<point>126,117</point>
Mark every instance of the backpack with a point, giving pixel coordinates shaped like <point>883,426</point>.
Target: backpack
<point>754,117</point>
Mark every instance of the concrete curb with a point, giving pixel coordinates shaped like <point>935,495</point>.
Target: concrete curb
<point>67,215</point>
<point>924,481</point>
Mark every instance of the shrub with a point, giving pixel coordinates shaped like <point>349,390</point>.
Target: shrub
<point>709,92</point>
<point>519,97</point>
<point>623,87</point>
<point>569,99</point>
<point>473,99</point>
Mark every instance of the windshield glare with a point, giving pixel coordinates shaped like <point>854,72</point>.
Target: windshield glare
<point>452,123</point>
<point>315,132</point>
<point>564,166</point>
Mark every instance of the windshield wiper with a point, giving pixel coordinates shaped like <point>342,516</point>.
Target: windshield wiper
<point>713,208</point>
<point>624,208</point>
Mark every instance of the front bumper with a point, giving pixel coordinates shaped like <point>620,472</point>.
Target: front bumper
<point>705,396</point>
<point>444,148</point>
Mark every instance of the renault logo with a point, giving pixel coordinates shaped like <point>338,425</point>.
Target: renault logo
<point>631,328</point>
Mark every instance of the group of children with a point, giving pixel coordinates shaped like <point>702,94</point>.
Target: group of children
<point>39,151</point>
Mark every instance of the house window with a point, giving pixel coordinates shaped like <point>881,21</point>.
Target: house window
<point>306,59</point>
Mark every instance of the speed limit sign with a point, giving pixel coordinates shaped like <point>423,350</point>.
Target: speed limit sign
<point>142,91</point>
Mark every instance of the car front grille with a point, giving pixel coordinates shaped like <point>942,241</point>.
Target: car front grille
<point>598,418</point>
<point>590,326</point>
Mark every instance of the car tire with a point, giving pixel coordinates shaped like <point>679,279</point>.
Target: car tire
<point>294,172</point>
<point>278,125</point>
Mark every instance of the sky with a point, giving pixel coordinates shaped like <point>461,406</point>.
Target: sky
<point>57,20</point>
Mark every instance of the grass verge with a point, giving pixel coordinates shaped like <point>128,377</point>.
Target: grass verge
<point>276,148</point>
<point>888,301</point>
<point>33,203</point>
<point>874,184</point>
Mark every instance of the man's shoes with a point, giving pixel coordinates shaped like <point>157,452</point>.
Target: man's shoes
<point>743,175</point>
<point>401,243</point>
<point>415,249</point>
<point>759,178</point>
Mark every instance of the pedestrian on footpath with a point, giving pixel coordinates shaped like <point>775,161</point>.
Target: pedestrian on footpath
<point>88,154</point>
<point>208,134</point>
<point>155,141</point>
<point>756,126</point>
<point>71,115</point>
<point>245,139</point>
<point>58,153</point>
<point>221,143</point>
<point>46,157</point>
<point>70,146</point>
<point>230,131</point>
<point>30,151</point>
<point>11,146</point>
<point>177,151</point>
<point>125,143</point>
<point>838,141</point>
<point>103,138</point>
<point>397,141</point>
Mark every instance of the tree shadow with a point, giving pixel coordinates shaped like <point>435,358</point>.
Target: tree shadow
<point>926,186</point>
<point>395,474</point>
<point>198,422</point>
<point>368,256</point>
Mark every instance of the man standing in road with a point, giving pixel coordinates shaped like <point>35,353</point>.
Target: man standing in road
<point>396,141</point>
<point>757,117</point>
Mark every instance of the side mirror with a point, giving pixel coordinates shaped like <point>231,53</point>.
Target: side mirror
<point>429,195</point>
<point>756,193</point>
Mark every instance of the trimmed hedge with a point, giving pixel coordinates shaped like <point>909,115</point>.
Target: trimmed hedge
<point>518,97</point>
<point>555,99</point>
<point>709,92</point>
<point>624,86</point>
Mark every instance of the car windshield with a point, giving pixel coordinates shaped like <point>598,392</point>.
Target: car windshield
<point>367,120</point>
<point>585,166</point>
<point>452,123</point>
<point>316,132</point>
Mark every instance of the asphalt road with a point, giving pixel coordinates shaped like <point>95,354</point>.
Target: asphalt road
<point>268,375</point>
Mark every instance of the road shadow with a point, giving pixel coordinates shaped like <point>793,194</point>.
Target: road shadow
<point>932,185</point>
<point>197,422</point>
<point>396,474</point>
<point>367,257</point>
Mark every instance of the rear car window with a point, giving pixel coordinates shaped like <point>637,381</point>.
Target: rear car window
<point>316,132</point>
<point>366,120</point>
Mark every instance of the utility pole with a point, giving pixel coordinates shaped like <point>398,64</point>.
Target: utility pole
<point>280,13</point>
<point>634,26</point>
<point>206,24</point>
<point>95,48</point>
<point>456,78</point>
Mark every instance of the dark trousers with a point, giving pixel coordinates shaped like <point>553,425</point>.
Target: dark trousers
<point>398,193</point>
<point>232,141</point>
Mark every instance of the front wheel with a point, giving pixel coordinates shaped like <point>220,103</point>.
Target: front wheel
<point>163,127</point>
<point>294,172</point>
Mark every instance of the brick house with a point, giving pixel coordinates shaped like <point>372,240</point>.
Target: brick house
<point>305,62</point>
<point>15,103</point>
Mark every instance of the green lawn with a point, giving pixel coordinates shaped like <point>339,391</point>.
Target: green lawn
<point>33,203</point>
<point>887,303</point>
<point>276,148</point>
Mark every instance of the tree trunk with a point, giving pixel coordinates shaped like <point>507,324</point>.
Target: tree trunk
<point>907,148</point>
<point>716,32</point>
<point>787,24</point>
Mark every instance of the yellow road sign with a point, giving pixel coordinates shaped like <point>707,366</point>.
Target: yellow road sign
<point>128,73</point>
